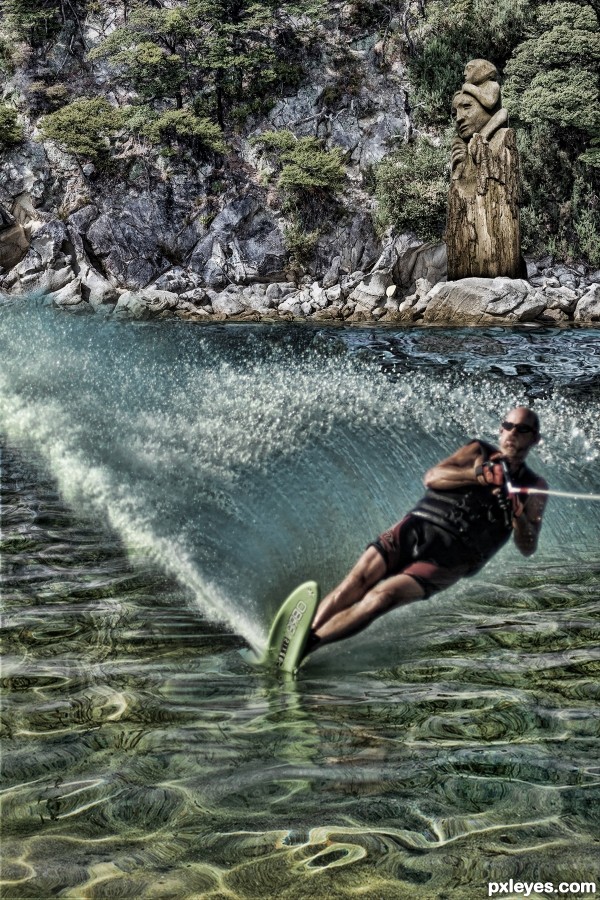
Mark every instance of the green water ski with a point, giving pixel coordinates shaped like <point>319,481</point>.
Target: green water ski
<point>290,629</point>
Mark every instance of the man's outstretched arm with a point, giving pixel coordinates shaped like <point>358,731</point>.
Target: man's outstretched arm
<point>527,521</point>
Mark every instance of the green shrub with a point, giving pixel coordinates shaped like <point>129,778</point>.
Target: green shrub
<point>11,132</point>
<point>57,94</point>
<point>278,141</point>
<point>309,168</point>
<point>84,127</point>
<point>412,189</point>
<point>305,167</point>
<point>587,228</point>
<point>183,124</point>
<point>591,157</point>
<point>47,98</point>
<point>300,243</point>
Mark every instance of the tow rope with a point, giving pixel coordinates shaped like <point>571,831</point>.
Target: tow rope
<point>549,493</point>
<point>511,489</point>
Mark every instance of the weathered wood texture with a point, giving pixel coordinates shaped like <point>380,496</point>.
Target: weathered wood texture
<point>482,233</point>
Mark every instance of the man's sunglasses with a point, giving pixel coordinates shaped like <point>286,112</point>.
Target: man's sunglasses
<point>520,429</point>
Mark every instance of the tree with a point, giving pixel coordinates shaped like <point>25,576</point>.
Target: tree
<point>553,75</point>
<point>552,91</point>
<point>38,21</point>
<point>156,51</point>
<point>34,21</point>
<point>213,53</point>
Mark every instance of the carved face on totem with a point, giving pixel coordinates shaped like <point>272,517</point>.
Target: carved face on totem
<point>468,114</point>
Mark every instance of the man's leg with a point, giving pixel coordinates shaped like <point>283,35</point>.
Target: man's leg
<point>369,569</point>
<point>384,596</point>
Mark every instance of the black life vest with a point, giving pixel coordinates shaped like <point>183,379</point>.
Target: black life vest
<point>478,518</point>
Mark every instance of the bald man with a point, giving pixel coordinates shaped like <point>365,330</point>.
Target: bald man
<point>465,517</point>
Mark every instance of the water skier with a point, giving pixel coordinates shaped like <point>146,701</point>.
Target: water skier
<point>465,517</point>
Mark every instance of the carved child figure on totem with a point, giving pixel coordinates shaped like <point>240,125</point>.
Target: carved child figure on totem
<point>482,234</point>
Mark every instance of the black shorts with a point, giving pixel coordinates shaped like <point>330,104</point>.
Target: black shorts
<point>424,551</point>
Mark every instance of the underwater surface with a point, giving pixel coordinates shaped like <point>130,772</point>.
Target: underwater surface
<point>163,487</point>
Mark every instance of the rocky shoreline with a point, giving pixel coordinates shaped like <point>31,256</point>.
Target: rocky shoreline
<point>406,285</point>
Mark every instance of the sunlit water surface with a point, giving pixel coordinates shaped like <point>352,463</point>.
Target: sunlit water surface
<point>163,488</point>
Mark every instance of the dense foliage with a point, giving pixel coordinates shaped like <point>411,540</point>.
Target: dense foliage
<point>552,90</point>
<point>184,126</point>
<point>412,189</point>
<point>553,75</point>
<point>11,132</point>
<point>225,57</point>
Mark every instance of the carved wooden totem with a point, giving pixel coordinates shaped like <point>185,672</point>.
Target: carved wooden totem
<point>482,232</point>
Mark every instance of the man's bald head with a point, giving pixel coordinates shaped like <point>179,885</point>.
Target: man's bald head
<point>523,415</point>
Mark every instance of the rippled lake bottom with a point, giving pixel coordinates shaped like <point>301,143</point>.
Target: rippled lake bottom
<point>142,758</point>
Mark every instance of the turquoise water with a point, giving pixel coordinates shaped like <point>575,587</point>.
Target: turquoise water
<point>163,487</point>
